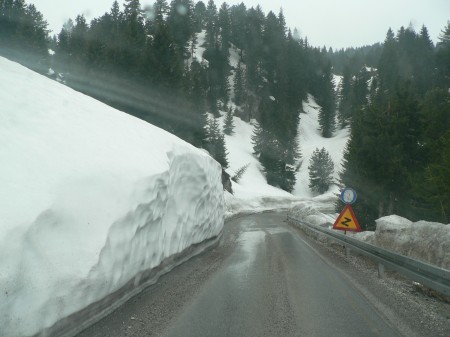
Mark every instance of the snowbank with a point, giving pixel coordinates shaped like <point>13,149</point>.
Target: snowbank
<point>89,198</point>
<point>314,211</point>
<point>422,240</point>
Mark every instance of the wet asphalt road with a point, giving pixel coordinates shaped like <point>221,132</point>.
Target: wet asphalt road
<point>264,279</point>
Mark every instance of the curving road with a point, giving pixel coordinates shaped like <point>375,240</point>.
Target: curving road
<point>264,279</point>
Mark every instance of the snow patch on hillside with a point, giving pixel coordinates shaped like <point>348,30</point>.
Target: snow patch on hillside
<point>337,79</point>
<point>310,138</point>
<point>252,192</point>
<point>199,48</point>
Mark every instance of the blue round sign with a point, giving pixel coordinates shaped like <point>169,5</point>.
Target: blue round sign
<point>348,195</point>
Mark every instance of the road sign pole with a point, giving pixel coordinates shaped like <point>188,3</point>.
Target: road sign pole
<point>380,271</point>
<point>347,248</point>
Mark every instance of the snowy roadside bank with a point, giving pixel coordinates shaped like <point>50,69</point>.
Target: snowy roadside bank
<point>77,322</point>
<point>92,199</point>
<point>422,240</point>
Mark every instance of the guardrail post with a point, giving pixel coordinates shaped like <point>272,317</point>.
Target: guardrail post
<point>347,251</point>
<point>380,271</point>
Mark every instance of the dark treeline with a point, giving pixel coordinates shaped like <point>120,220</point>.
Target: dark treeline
<point>398,155</point>
<point>141,61</point>
<point>23,34</point>
<point>393,96</point>
<point>353,59</point>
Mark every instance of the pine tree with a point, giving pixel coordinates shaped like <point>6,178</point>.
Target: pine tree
<point>161,10</point>
<point>225,27</point>
<point>133,37</point>
<point>180,23</point>
<point>239,85</point>
<point>197,98</point>
<point>442,58</point>
<point>239,173</point>
<point>211,24</point>
<point>78,41</point>
<point>199,16</point>
<point>327,101</point>
<point>253,43</point>
<point>216,143</point>
<point>436,183</point>
<point>24,35</point>
<point>168,63</point>
<point>321,170</point>
<point>431,192</point>
<point>345,99</point>
<point>388,67</point>
<point>228,126</point>
<point>257,139</point>
<point>384,155</point>
<point>238,15</point>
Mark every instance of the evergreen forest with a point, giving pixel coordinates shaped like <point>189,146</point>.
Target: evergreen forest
<point>394,96</point>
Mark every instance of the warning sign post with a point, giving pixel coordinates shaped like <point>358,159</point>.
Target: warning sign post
<point>347,221</point>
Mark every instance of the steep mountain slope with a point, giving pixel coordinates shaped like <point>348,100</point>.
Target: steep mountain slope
<point>253,184</point>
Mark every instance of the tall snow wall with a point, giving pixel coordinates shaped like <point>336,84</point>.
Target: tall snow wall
<point>90,198</point>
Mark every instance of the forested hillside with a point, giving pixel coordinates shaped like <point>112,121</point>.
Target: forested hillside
<point>399,153</point>
<point>393,96</point>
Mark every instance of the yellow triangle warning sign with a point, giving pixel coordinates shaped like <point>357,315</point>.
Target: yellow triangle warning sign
<point>347,221</point>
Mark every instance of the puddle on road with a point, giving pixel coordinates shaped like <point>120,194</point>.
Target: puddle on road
<point>245,254</point>
<point>248,241</point>
<point>276,230</point>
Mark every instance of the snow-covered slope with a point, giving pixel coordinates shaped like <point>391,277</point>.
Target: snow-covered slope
<point>252,193</point>
<point>310,138</point>
<point>89,198</point>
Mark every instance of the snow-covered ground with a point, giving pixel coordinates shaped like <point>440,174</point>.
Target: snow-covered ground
<point>252,193</point>
<point>89,198</point>
<point>310,138</point>
<point>422,240</point>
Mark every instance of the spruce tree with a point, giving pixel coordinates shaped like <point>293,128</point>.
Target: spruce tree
<point>345,99</point>
<point>321,168</point>
<point>180,22</point>
<point>436,184</point>
<point>225,27</point>
<point>199,16</point>
<point>239,84</point>
<point>133,37</point>
<point>442,58</point>
<point>24,34</point>
<point>257,138</point>
<point>211,24</point>
<point>228,126</point>
<point>327,101</point>
<point>239,173</point>
<point>216,143</point>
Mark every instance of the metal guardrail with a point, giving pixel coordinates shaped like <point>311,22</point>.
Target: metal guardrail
<point>430,276</point>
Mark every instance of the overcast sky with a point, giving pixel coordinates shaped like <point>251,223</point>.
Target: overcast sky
<point>335,23</point>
